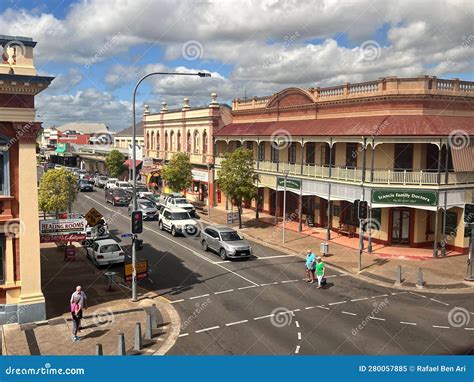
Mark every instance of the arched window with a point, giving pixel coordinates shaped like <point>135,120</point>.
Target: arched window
<point>188,142</point>
<point>196,142</point>
<point>158,145</point>
<point>166,141</point>
<point>5,143</point>
<point>172,141</point>
<point>178,141</point>
<point>148,140</point>
<point>204,142</point>
<point>152,140</point>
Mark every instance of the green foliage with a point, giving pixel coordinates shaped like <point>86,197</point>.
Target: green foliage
<point>237,178</point>
<point>57,191</point>
<point>114,163</point>
<point>177,173</point>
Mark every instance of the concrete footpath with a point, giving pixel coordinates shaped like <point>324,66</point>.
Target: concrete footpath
<point>108,313</point>
<point>444,274</point>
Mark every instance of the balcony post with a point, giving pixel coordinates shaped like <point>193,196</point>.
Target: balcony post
<point>372,162</point>
<point>364,159</point>
<point>435,241</point>
<point>302,157</point>
<point>328,212</point>
<point>276,200</point>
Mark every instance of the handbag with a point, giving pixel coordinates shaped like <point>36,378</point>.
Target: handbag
<point>74,307</point>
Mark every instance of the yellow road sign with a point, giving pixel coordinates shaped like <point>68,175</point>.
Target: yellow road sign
<point>93,217</point>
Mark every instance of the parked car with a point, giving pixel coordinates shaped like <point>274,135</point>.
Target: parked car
<point>81,173</point>
<point>122,184</point>
<point>100,181</point>
<point>84,185</point>
<point>98,232</point>
<point>226,242</point>
<point>117,196</point>
<point>164,197</point>
<point>177,221</point>
<point>105,252</point>
<point>181,203</point>
<point>89,178</point>
<point>110,183</point>
<point>148,208</point>
<point>58,166</point>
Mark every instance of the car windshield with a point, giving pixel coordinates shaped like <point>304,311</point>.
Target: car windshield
<point>142,189</point>
<point>181,201</point>
<point>146,204</point>
<point>108,248</point>
<point>120,193</point>
<point>230,236</point>
<point>83,181</point>
<point>102,177</point>
<point>180,216</point>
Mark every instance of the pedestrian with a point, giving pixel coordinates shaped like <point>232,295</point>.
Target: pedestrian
<point>78,304</point>
<point>320,268</point>
<point>310,266</point>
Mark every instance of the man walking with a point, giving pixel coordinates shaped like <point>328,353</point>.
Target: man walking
<point>320,268</point>
<point>78,303</point>
<point>310,267</point>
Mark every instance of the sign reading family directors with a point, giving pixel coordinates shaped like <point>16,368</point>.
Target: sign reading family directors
<point>418,198</point>
<point>290,183</point>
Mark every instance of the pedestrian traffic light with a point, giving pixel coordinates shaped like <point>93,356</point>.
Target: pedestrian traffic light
<point>363,210</point>
<point>137,222</point>
<point>355,208</point>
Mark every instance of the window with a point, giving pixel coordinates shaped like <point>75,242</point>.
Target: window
<point>188,142</point>
<point>451,223</point>
<point>211,232</point>
<point>166,141</point>
<point>147,140</point>
<point>152,140</point>
<point>196,142</point>
<point>376,218</point>
<point>310,152</point>
<point>249,145</point>
<point>432,158</point>
<point>275,154</point>
<point>403,156</point>
<point>261,152</point>
<point>204,142</point>
<point>4,168</point>
<point>172,141</point>
<point>325,152</point>
<point>292,153</point>
<point>158,145</point>
<point>347,216</point>
<point>178,141</point>
<point>351,155</point>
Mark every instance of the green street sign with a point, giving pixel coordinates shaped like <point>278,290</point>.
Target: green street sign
<point>416,198</point>
<point>290,183</point>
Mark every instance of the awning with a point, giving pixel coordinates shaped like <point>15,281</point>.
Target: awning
<point>129,162</point>
<point>150,169</point>
<point>463,156</point>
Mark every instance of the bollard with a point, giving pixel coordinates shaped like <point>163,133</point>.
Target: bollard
<point>420,284</point>
<point>98,349</point>
<point>121,344</point>
<point>137,345</point>
<point>154,321</point>
<point>148,328</point>
<point>398,277</point>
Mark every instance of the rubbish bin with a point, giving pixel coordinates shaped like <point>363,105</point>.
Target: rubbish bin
<point>110,279</point>
<point>324,249</point>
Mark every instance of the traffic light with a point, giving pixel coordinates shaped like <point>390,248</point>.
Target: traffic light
<point>355,208</point>
<point>363,210</point>
<point>138,244</point>
<point>469,213</point>
<point>137,222</point>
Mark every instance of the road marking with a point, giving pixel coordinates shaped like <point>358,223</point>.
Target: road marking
<point>441,327</point>
<point>382,295</point>
<point>289,281</point>
<point>224,291</point>
<point>349,313</point>
<point>297,350</point>
<point>236,322</point>
<point>165,299</point>
<point>416,294</point>
<point>297,324</point>
<point>310,307</point>
<point>377,318</point>
<point>299,335</point>
<point>274,283</point>
<point>201,296</point>
<point>247,287</point>
<point>360,299</point>
<point>468,328</point>
<point>207,329</point>
<point>262,317</point>
<point>441,302</point>
<point>184,335</point>
<point>221,262</point>
<point>273,257</point>
<point>331,276</point>
<point>407,323</point>
<point>295,310</point>
<point>176,301</point>
<point>395,293</point>
<point>337,303</point>
<point>322,307</point>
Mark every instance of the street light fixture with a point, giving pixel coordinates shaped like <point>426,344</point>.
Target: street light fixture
<point>134,168</point>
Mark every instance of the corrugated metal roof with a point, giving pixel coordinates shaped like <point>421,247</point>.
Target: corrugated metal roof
<point>462,151</point>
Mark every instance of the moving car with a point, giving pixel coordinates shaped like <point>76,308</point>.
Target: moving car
<point>117,196</point>
<point>84,185</point>
<point>110,183</point>
<point>100,181</point>
<point>105,252</point>
<point>226,242</point>
<point>177,221</point>
<point>122,184</point>
<point>155,198</point>
<point>181,203</point>
<point>148,208</point>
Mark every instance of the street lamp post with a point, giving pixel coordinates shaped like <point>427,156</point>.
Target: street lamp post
<point>134,168</point>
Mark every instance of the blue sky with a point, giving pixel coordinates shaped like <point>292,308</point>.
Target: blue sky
<point>98,49</point>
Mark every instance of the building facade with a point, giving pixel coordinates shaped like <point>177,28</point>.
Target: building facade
<point>21,298</point>
<point>188,130</point>
<point>404,145</point>
<point>123,139</point>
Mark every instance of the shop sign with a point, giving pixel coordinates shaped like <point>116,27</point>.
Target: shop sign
<point>290,183</point>
<point>62,230</point>
<point>232,217</point>
<point>200,176</point>
<point>406,197</point>
<point>141,267</point>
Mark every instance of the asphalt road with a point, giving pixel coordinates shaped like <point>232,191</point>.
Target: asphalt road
<point>263,306</point>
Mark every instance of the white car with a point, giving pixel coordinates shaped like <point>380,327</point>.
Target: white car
<point>110,183</point>
<point>122,184</point>
<point>181,203</point>
<point>177,221</point>
<point>105,252</point>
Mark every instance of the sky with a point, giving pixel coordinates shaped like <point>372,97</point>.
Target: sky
<point>98,49</point>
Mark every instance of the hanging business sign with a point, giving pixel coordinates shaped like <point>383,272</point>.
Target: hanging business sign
<point>61,230</point>
<point>405,197</point>
<point>295,184</point>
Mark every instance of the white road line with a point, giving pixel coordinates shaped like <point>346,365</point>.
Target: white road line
<point>297,350</point>
<point>331,276</point>
<point>247,287</point>
<point>207,329</point>
<point>360,299</point>
<point>297,324</point>
<point>176,301</point>
<point>289,281</point>
<point>224,291</point>
<point>262,317</point>
<point>236,322</point>
<point>407,323</point>
<point>416,294</point>
<point>322,307</point>
<point>201,296</point>
<point>337,303</point>
<point>382,295</point>
<point>273,257</point>
<point>221,262</point>
<point>299,335</point>
<point>395,293</point>
<point>441,302</point>
<point>310,307</point>
<point>377,318</point>
<point>440,327</point>
<point>468,328</point>
<point>349,313</point>
<point>184,335</point>
<point>295,310</point>
<point>274,283</point>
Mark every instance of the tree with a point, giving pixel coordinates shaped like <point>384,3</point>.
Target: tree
<point>114,163</point>
<point>57,191</point>
<point>178,172</point>
<point>237,178</point>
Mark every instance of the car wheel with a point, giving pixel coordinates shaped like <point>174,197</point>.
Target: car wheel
<point>223,254</point>
<point>173,231</point>
<point>160,225</point>
<point>204,245</point>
